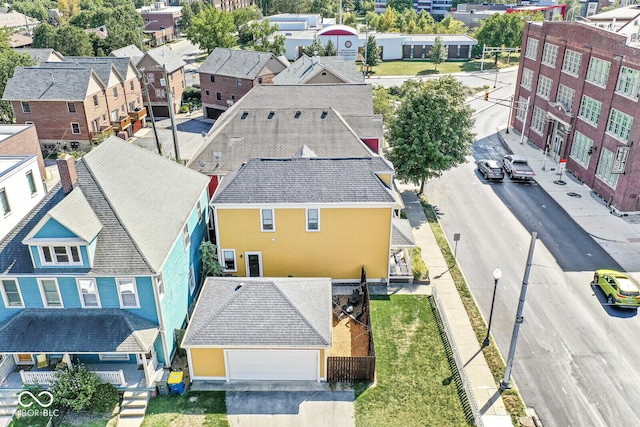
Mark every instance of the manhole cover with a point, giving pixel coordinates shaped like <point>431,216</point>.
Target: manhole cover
<point>560,182</point>
<point>572,194</point>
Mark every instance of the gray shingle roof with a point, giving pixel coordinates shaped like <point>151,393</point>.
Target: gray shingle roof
<point>141,199</point>
<point>77,216</point>
<point>121,64</point>
<point>163,55</point>
<point>104,70</point>
<point>244,64</point>
<point>130,51</point>
<point>103,330</point>
<point>238,139</point>
<point>401,234</point>
<point>40,55</point>
<point>306,180</point>
<point>292,312</point>
<point>306,68</point>
<point>49,84</point>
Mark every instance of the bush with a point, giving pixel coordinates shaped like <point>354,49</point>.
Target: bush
<point>104,399</point>
<point>420,270</point>
<point>184,108</point>
<point>74,387</point>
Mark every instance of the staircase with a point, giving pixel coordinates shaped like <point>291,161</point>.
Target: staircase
<point>134,405</point>
<point>8,406</point>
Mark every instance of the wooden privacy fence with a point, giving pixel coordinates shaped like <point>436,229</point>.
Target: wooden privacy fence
<point>351,369</point>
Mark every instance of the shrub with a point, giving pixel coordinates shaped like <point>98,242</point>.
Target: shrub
<point>184,108</point>
<point>104,398</point>
<point>420,270</point>
<point>74,387</point>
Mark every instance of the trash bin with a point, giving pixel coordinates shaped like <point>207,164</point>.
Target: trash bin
<point>175,383</point>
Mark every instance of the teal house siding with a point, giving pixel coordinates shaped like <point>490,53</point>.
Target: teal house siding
<point>54,230</point>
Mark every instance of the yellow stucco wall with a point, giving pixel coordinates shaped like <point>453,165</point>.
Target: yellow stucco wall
<point>348,239</point>
<point>327,78</point>
<point>385,177</point>
<point>208,362</point>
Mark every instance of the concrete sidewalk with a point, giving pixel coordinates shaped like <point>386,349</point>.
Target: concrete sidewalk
<point>618,235</point>
<point>485,389</point>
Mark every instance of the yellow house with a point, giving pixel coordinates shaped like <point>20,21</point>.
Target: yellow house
<point>260,329</point>
<point>306,217</point>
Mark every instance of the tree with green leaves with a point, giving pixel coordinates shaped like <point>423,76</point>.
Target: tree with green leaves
<point>383,103</point>
<point>73,41</point>
<point>212,28</point>
<point>209,257</point>
<point>187,17</point>
<point>9,60</point>
<point>573,9</point>
<point>74,387</point>
<point>33,8</point>
<point>372,51</point>
<point>499,29</point>
<point>388,20</point>
<point>438,52</point>
<point>400,5</point>
<point>432,131</point>
<point>263,38</point>
<point>44,36</point>
<point>315,48</point>
<point>244,15</point>
<point>330,49</point>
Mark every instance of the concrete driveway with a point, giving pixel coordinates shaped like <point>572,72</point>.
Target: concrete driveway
<point>290,408</point>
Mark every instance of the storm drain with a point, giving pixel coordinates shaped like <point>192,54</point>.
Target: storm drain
<point>572,194</point>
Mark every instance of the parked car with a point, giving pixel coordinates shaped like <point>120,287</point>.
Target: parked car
<point>619,288</point>
<point>490,169</point>
<point>517,167</point>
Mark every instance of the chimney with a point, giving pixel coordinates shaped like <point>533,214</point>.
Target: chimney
<point>67,171</point>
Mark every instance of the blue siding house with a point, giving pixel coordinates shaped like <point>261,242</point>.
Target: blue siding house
<point>104,269</point>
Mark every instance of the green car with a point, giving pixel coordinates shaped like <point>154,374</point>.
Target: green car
<point>620,289</point>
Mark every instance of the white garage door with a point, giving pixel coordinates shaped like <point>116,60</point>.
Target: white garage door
<point>272,364</point>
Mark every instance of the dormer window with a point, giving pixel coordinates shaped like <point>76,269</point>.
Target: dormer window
<point>60,255</point>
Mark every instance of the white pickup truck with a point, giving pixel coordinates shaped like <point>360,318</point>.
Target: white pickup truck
<point>517,167</point>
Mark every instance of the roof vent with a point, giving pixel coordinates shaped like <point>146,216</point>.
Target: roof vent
<point>297,115</point>
<point>324,114</point>
<point>271,114</point>
<point>237,288</point>
<point>244,115</point>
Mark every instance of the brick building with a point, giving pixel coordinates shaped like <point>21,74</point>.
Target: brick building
<point>161,22</point>
<point>583,83</point>
<point>153,65</point>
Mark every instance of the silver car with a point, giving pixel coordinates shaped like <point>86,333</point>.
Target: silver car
<point>490,169</point>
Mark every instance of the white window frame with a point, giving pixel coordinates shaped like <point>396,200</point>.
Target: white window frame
<point>527,78</point>
<point>520,111</point>
<point>135,288</point>
<point>273,221</point>
<point>580,149</point>
<point>587,112</point>
<point>313,230</point>
<point>566,96</point>
<point>605,165</point>
<point>571,62</point>
<point>54,258</point>
<point>31,182</point>
<point>545,84</point>
<point>192,281</point>
<point>23,104</point>
<point>160,284</point>
<point>44,295</point>
<point>224,261</point>
<point>74,126</point>
<point>238,82</point>
<point>598,72</point>
<point>5,297</point>
<point>628,84</point>
<point>81,294</point>
<point>619,125</point>
<point>538,120</point>
<point>69,104</point>
<point>113,357</point>
<point>550,55</point>
<point>5,201</point>
<point>186,237</point>
<point>115,92</point>
<point>96,101</point>
<point>531,51</point>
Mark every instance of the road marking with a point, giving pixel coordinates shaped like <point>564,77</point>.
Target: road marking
<point>565,391</point>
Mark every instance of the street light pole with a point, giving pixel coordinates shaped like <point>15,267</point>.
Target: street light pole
<point>495,82</point>
<point>497,274</point>
<point>524,123</point>
<point>505,384</point>
<point>168,93</point>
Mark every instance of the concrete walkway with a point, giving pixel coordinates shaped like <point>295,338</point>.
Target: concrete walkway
<point>485,389</point>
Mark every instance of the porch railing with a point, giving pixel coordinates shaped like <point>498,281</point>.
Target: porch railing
<point>6,365</point>
<point>46,377</point>
<point>400,269</point>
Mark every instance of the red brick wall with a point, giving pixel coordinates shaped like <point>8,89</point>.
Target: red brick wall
<point>176,84</point>
<point>24,142</point>
<point>227,87</point>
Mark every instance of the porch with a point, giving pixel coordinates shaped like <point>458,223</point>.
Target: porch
<point>401,252</point>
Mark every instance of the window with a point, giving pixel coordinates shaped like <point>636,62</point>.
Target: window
<point>122,109</point>
<point>88,293</point>
<point>151,77</point>
<point>550,55</point>
<point>4,201</point>
<point>75,128</point>
<point>544,87</point>
<point>527,78</point>
<point>238,82</point>
<point>531,51</point>
<point>160,93</point>
<point>50,293</point>
<point>132,106</point>
<point>95,101</point>
<point>71,107</point>
<point>11,294</point>
<point>538,120</point>
<point>160,284</point>
<point>219,96</point>
<point>212,78</point>
<point>598,72</point>
<point>60,255</point>
<point>127,293</point>
<point>26,108</point>
<point>313,219</point>
<point>233,97</point>
<point>590,110</point>
<point>266,220</point>
<point>229,259</point>
<point>131,86</point>
<point>605,165</point>
<point>628,83</point>
<point>192,281</point>
<point>115,93</point>
<point>32,183</point>
<point>259,80</point>
<point>565,97</point>
<point>619,124</point>
<point>580,149</point>
<point>115,115</point>
<point>571,62</point>
<point>185,237</point>
<point>521,110</point>
<point>199,207</point>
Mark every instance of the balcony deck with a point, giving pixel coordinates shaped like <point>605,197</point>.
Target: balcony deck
<point>138,115</point>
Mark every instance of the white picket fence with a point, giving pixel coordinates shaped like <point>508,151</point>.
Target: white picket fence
<point>46,377</point>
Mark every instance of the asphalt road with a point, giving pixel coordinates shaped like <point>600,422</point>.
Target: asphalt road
<point>576,362</point>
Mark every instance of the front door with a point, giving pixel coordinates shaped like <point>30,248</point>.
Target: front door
<point>254,264</point>
<point>559,132</point>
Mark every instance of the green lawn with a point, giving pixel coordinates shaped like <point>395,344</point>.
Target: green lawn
<point>423,68</point>
<point>415,385</point>
<point>208,409</point>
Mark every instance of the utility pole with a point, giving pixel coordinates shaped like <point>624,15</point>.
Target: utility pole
<point>167,90</point>
<point>511,107</point>
<point>524,122</point>
<point>153,119</point>
<point>505,384</point>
